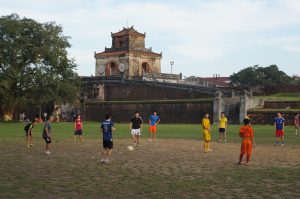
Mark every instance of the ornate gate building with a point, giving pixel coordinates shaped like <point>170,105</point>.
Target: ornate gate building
<point>127,56</point>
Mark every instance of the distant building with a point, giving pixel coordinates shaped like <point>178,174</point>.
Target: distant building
<point>127,56</point>
<point>218,81</point>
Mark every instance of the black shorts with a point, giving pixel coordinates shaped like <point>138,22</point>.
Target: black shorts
<point>222,130</point>
<point>48,140</point>
<point>78,132</point>
<point>28,133</point>
<point>107,144</point>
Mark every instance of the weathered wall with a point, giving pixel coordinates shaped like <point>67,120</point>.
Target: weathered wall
<point>117,91</point>
<point>172,112</point>
<point>267,117</point>
<point>282,89</point>
<point>282,104</point>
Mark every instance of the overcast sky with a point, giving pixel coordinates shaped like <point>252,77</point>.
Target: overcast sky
<point>203,37</point>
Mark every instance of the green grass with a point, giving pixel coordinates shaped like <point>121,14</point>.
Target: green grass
<point>172,167</point>
<point>263,133</point>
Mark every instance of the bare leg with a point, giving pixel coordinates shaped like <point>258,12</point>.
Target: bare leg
<point>27,141</point>
<point>133,138</point>
<point>138,139</point>
<point>80,138</point>
<point>74,138</point>
<point>104,155</point>
<point>225,137</point>
<point>48,146</point>
<point>109,152</point>
<point>241,158</point>
<point>154,136</point>
<point>220,137</point>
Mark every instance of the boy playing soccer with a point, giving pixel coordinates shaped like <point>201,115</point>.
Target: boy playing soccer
<point>279,128</point>
<point>78,128</point>
<point>246,133</point>
<point>28,133</point>
<point>107,127</point>
<point>206,132</point>
<point>153,122</point>
<point>222,127</point>
<point>47,134</point>
<point>136,127</point>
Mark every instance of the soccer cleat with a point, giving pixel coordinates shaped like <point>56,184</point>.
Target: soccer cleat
<point>282,144</point>
<point>107,161</point>
<point>209,150</point>
<point>150,140</point>
<point>102,160</point>
<point>247,164</point>
<point>48,152</point>
<point>31,145</point>
<point>225,140</point>
<point>28,145</point>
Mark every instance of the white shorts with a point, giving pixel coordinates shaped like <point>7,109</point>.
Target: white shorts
<point>135,131</point>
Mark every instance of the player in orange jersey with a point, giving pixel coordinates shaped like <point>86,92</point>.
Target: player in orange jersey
<point>246,133</point>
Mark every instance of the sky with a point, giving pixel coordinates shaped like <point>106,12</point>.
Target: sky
<point>202,37</point>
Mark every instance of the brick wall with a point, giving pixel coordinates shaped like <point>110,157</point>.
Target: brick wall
<point>269,90</point>
<point>116,91</point>
<point>281,104</point>
<point>175,112</point>
<point>260,117</point>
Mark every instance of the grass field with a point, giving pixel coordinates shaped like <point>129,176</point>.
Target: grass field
<point>172,167</point>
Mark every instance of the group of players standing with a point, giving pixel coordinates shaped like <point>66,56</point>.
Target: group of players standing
<point>136,128</point>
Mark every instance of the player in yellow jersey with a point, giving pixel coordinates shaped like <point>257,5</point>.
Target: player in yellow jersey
<point>222,127</point>
<point>206,132</point>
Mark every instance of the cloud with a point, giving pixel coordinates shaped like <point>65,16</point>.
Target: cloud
<point>194,33</point>
<point>287,43</point>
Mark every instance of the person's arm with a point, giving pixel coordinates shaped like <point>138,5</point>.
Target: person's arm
<point>206,128</point>
<point>113,128</point>
<point>142,124</point>
<point>75,125</point>
<point>283,126</point>
<point>158,121</point>
<point>241,133</point>
<point>252,137</point>
<point>226,123</point>
<point>47,132</point>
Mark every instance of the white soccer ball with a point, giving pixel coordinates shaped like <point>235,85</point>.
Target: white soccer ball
<point>130,148</point>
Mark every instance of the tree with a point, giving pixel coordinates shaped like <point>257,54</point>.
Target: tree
<point>260,76</point>
<point>34,66</point>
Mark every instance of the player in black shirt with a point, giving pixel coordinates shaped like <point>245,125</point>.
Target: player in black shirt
<point>136,127</point>
<point>28,133</point>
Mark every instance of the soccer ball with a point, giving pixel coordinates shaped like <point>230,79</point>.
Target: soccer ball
<point>130,148</point>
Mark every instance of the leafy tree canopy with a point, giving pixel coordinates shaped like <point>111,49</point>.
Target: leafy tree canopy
<point>34,66</point>
<point>263,76</point>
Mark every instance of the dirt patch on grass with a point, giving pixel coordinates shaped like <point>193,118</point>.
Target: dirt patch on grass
<point>168,168</point>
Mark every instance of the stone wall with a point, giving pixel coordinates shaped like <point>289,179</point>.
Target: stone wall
<point>170,112</point>
<point>267,117</point>
<point>117,92</point>
<point>282,104</point>
<point>269,90</point>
